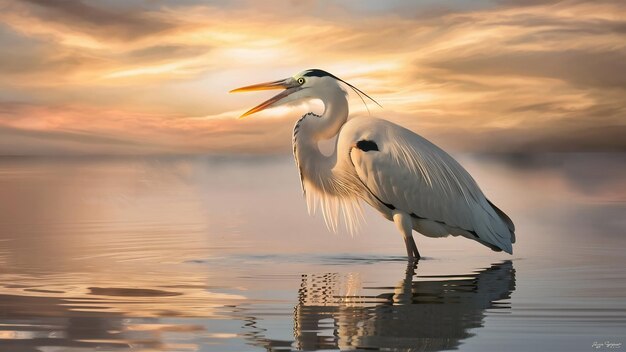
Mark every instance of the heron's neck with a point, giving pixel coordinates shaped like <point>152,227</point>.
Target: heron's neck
<point>314,165</point>
<point>334,116</point>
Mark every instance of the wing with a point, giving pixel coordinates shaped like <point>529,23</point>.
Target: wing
<point>407,172</point>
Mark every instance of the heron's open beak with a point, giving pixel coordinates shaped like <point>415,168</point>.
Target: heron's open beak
<point>287,84</point>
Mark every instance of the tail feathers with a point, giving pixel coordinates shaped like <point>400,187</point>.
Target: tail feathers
<point>473,235</point>
<point>507,220</point>
<point>491,246</point>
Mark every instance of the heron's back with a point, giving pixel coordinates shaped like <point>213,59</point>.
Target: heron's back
<point>404,171</point>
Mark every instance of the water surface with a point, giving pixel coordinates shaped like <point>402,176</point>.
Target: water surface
<point>219,254</point>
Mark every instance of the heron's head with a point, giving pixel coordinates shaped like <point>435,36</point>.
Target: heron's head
<point>307,84</point>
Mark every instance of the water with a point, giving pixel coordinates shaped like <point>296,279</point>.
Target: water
<point>219,254</point>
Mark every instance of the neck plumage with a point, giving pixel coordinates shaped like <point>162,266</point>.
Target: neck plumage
<point>325,183</point>
<point>316,169</point>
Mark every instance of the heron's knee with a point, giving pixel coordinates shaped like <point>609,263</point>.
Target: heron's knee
<point>403,223</point>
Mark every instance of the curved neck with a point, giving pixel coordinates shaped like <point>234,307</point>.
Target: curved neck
<point>334,116</point>
<point>315,166</point>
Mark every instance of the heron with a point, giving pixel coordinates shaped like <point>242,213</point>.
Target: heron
<point>409,180</point>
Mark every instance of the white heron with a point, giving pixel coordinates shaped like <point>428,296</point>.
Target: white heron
<point>408,179</point>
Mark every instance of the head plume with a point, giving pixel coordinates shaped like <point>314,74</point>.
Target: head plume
<point>315,72</point>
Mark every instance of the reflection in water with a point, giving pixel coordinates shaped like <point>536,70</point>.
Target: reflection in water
<point>421,313</point>
<point>33,323</point>
<point>178,254</point>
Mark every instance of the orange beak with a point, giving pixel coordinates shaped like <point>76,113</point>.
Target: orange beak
<point>286,84</point>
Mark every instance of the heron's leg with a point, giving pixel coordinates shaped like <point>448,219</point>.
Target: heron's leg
<point>403,293</point>
<point>414,248</point>
<point>411,243</point>
<point>405,226</point>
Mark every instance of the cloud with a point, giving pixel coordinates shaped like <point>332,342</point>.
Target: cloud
<point>153,76</point>
<point>516,140</point>
<point>583,68</point>
<point>32,129</point>
<point>122,23</point>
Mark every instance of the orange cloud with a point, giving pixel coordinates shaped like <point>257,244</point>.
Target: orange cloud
<point>153,78</point>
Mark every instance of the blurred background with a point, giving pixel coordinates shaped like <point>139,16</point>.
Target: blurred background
<point>152,76</point>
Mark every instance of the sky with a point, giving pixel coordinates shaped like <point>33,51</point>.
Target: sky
<point>152,76</point>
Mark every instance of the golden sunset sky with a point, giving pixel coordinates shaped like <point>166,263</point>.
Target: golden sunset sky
<point>152,76</point>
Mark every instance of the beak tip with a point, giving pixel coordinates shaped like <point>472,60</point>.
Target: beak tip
<point>265,86</point>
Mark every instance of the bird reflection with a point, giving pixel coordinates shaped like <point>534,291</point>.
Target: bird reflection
<point>431,313</point>
<point>420,313</point>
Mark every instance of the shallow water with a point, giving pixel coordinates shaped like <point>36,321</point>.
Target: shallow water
<point>219,254</point>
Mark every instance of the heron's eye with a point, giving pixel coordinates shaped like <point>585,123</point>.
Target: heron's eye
<point>301,81</point>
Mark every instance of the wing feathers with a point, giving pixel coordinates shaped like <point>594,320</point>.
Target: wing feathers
<point>418,177</point>
<point>506,219</point>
